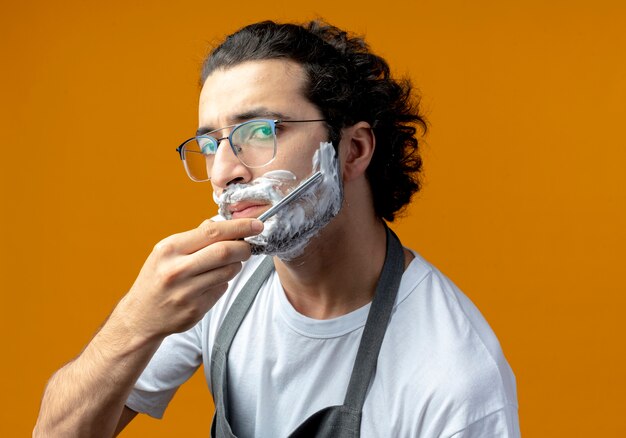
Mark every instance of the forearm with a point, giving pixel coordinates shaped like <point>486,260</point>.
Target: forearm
<point>86,397</point>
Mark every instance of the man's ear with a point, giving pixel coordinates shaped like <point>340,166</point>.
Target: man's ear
<point>356,151</point>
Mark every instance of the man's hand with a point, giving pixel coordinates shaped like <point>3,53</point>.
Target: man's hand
<point>185,275</point>
<point>181,280</point>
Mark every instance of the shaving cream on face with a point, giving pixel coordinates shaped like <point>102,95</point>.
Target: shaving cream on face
<point>271,187</point>
<point>287,233</point>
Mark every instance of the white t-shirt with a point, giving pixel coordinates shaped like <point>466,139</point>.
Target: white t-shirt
<point>440,372</point>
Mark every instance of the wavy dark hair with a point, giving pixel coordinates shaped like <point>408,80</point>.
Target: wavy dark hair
<point>348,84</point>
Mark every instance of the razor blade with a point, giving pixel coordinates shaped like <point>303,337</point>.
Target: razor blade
<point>305,185</point>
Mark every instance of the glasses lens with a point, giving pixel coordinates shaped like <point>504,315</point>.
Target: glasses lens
<point>197,163</point>
<point>254,142</point>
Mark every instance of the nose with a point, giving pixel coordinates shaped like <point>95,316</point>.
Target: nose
<point>227,169</point>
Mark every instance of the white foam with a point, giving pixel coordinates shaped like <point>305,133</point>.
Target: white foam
<point>289,231</point>
<point>271,186</point>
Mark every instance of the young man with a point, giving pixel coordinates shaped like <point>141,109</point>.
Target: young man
<point>342,332</point>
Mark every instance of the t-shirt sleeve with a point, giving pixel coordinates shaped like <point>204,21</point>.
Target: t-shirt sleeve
<point>178,357</point>
<point>502,423</point>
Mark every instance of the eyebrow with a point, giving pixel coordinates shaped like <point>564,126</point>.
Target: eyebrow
<point>255,113</point>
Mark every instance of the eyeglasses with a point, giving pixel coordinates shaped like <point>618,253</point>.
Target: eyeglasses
<point>253,142</point>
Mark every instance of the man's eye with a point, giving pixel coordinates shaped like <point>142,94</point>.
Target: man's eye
<point>207,147</point>
<point>261,133</point>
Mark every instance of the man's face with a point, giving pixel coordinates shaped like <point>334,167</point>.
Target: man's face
<point>270,89</point>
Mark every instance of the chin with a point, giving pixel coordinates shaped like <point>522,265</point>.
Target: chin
<point>289,246</point>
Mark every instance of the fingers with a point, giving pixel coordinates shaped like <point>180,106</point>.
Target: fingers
<point>198,295</point>
<point>210,232</point>
<point>216,256</point>
<point>215,282</point>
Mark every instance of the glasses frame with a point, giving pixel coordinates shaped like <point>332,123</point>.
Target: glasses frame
<point>217,141</point>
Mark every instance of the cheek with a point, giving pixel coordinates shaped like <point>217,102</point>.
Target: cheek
<point>300,168</point>
<point>297,157</point>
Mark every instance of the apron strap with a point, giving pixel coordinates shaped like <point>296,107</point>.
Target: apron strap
<point>224,339</point>
<point>376,324</point>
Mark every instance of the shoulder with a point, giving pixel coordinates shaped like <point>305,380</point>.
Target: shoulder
<point>439,313</point>
<point>448,356</point>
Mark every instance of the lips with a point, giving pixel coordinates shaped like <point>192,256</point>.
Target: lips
<point>247,209</point>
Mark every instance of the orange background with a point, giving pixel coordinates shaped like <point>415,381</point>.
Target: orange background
<point>524,204</point>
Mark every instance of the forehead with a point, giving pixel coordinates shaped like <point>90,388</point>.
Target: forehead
<point>272,86</point>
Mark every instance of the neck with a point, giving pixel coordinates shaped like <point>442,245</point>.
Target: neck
<point>339,270</point>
